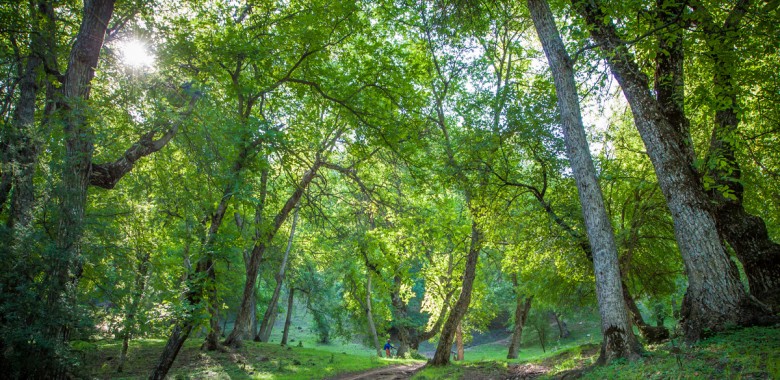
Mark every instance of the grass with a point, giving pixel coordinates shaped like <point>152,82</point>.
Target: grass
<point>253,361</point>
<point>304,358</point>
<point>750,353</point>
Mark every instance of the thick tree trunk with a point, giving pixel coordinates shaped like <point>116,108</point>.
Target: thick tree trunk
<point>442,354</point>
<point>619,339</point>
<point>288,319</point>
<point>370,316</point>
<point>715,297</point>
<point>459,343</point>
<point>521,315</point>
<point>745,233</point>
<point>132,311</point>
<point>759,255</point>
<point>270,314</point>
<point>243,322</point>
<point>66,269</point>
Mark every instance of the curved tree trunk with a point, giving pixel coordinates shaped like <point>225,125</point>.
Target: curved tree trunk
<point>619,339</point>
<point>270,314</point>
<point>243,321</point>
<point>442,354</point>
<point>715,297</point>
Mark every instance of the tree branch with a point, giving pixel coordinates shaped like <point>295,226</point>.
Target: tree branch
<point>107,175</point>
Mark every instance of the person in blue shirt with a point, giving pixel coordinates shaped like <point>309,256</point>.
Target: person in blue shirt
<point>388,346</point>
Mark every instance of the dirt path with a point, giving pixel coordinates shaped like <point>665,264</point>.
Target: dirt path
<point>395,372</point>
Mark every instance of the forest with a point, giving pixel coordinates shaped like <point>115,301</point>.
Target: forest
<point>283,186</point>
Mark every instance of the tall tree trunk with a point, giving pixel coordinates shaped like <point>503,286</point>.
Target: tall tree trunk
<point>247,253</point>
<point>459,342</point>
<point>270,314</point>
<point>745,233</point>
<point>715,297</point>
<point>370,316</point>
<point>651,335</point>
<point>135,304</point>
<point>20,145</point>
<point>288,319</point>
<point>669,81</point>
<point>208,266</point>
<point>442,354</point>
<point>66,270</point>
<point>619,340</point>
<point>243,322</point>
<point>521,316</point>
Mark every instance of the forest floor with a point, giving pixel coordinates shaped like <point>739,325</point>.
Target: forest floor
<point>751,353</point>
<point>393,372</point>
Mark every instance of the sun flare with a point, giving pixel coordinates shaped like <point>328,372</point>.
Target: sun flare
<point>135,53</point>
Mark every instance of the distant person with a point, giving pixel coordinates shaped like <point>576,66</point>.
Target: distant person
<point>388,346</point>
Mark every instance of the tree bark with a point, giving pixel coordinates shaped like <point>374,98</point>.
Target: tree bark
<point>669,81</point>
<point>745,233</point>
<point>241,328</point>
<point>208,265</point>
<point>20,145</point>
<point>178,336</point>
<point>521,315</point>
<point>74,93</point>
<point>459,342</point>
<point>270,314</point>
<point>619,340</point>
<point>442,354</point>
<point>715,297</point>
<point>370,316</point>
<point>288,318</point>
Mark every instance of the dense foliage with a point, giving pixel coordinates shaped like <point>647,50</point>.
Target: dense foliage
<point>155,154</point>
